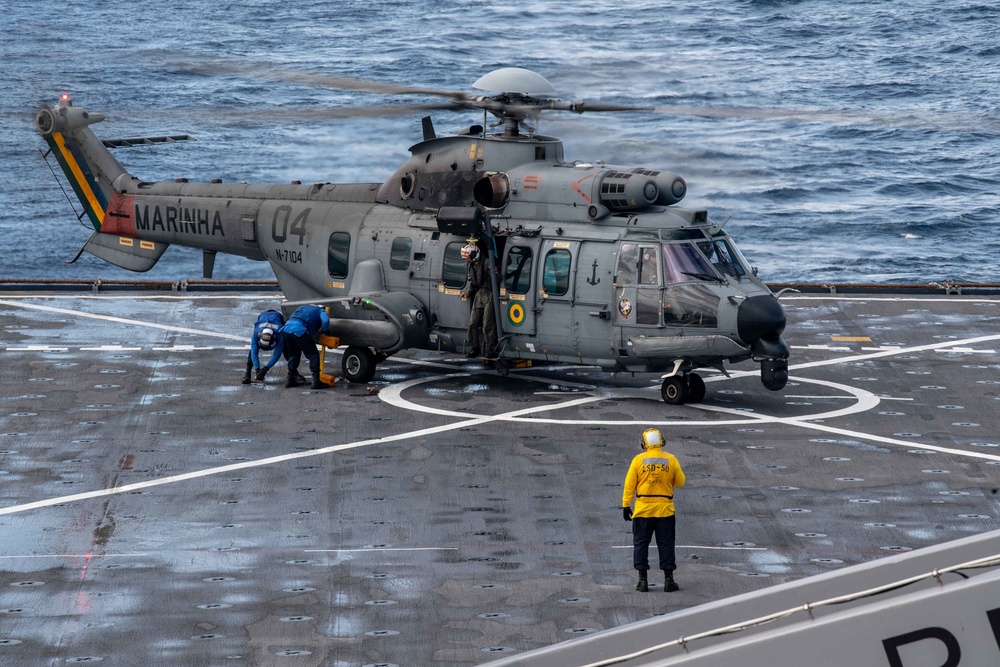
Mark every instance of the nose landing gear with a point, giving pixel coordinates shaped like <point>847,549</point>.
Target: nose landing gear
<point>772,353</point>
<point>683,388</point>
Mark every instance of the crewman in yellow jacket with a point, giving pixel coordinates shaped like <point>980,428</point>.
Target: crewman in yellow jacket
<point>650,481</point>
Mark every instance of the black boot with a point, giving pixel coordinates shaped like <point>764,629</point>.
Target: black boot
<point>643,585</point>
<point>317,383</point>
<point>246,376</point>
<point>669,585</point>
<point>473,352</point>
<point>300,377</point>
<point>294,380</point>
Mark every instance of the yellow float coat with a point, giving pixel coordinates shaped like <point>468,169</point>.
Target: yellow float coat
<point>651,480</point>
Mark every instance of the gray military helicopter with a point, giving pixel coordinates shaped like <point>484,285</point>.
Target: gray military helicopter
<point>592,264</point>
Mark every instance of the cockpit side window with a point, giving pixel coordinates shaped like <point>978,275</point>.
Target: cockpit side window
<point>683,263</point>
<point>638,265</point>
<point>627,273</point>
<point>649,268</point>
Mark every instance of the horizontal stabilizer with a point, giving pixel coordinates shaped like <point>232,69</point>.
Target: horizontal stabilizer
<point>124,251</point>
<point>146,141</point>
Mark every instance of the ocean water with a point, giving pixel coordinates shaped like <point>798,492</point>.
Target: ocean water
<point>846,141</point>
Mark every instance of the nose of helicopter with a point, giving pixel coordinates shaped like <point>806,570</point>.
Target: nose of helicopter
<point>760,317</point>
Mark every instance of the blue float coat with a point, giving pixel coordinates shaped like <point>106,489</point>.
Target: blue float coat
<point>307,321</point>
<point>275,320</point>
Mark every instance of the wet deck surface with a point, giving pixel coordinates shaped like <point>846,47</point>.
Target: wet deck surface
<point>156,510</point>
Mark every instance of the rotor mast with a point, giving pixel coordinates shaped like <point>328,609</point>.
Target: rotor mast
<point>515,103</point>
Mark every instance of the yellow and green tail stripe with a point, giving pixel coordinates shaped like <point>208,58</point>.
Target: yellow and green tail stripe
<point>70,157</point>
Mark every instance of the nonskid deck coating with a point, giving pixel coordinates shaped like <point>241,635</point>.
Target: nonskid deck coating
<point>154,509</point>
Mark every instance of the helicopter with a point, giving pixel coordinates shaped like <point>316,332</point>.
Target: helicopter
<point>592,264</point>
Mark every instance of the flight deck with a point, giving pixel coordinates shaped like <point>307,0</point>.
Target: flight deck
<point>156,510</point>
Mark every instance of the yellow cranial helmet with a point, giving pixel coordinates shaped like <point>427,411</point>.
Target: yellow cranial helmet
<point>652,437</point>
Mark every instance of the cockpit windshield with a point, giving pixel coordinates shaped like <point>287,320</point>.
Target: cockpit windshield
<point>723,257</point>
<point>682,263</point>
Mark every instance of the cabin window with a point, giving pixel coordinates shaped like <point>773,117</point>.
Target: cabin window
<point>555,272</point>
<point>337,256</point>
<point>517,272</point>
<point>455,270</point>
<point>682,263</point>
<point>399,254</point>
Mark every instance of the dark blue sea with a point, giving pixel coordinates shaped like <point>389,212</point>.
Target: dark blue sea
<point>851,141</point>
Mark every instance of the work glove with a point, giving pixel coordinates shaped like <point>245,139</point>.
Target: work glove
<point>627,513</point>
<point>261,374</point>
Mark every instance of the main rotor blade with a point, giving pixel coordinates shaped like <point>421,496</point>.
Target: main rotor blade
<point>941,121</point>
<point>244,115</point>
<point>581,106</point>
<point>275,73</point>
<point>321,113</point>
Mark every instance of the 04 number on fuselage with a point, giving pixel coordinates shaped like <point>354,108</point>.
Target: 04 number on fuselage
<point>281,228</point>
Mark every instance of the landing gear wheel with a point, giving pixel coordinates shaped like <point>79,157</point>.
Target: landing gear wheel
<point>674,390</point>
<point>696,388</point>
<point>358,364</point>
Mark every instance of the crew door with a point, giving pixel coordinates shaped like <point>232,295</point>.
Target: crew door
<point>448,309</point>
<point>594,272</point>
<point>518,287</point>
<point>637,292</point>
<point>556,324</point>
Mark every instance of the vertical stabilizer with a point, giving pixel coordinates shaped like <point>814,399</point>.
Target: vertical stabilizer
<point>87,163</point>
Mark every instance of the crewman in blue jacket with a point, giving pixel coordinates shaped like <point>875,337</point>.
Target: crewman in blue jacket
<point>267,337</point>
<point>299,336</point>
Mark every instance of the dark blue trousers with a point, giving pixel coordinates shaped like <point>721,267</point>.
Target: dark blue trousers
<point>296,346</point>
<point>643,529</point>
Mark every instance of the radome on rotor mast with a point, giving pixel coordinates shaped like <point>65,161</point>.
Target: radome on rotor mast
<point>593,264</point>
